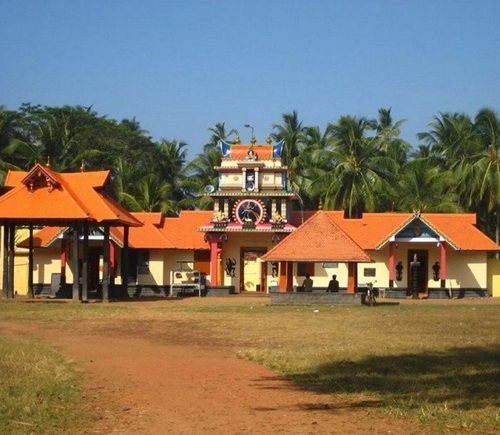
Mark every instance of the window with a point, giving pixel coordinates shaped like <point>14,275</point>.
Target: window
<point>369,272</point>
<point>305,268</point>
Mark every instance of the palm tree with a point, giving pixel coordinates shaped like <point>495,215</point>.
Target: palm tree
<point>479,175</point>
<point>453,137</point>
<point>312,164</point>
<point>425,187</point>
<point>10,134</point>
<point>218,133</point>
<point>153,195</point>
<point>201,173</point>
<point>389,133</point>
<point>362,172</point>
<point>292,132</point>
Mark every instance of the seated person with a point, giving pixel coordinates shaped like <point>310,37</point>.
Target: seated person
<point>307,285</point>
<point>333,285</point>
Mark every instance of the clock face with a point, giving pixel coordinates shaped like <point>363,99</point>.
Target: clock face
<point>249,210</point>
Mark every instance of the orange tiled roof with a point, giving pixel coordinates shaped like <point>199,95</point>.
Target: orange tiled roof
<point>263,152</point>
<point>182,230</point>
<point>319,239</point>
<point>147,236</point>
<point>461,230</point>
<point>44,195</point>
<point>374,230</point>
<point>43,238</point>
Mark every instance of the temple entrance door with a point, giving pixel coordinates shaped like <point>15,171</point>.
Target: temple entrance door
<point>250,279</point>
<point>418,261</point>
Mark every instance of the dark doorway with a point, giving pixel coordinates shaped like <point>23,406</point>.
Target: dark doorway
<point>94,268</point>
<point>418,260</point>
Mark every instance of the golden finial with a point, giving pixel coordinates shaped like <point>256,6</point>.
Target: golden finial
<point>82,167</point>
<point>253,141</point>
<point>320,205</point>
<point>47,165</point>
<point>237,140</point>
<point>269,140</point>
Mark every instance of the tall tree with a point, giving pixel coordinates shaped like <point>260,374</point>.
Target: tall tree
<point>362,172</point>
<point>201,173</point>
<point>292,132</point>
<point>425,187</point>
<point>218,133</point>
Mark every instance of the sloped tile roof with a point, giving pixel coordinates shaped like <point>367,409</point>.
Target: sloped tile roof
<point>373,230</point>
<point>147,236</point>
<point>182,230</point>
<point>45,195</point>
<point>319,239</point>
<point>43,238</point>
<point>461,230</point>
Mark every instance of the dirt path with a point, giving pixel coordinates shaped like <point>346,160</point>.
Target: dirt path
<point>140,386</point>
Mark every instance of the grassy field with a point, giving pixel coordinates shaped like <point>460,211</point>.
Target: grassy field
<point>39,390</point>
<point>431,361</point>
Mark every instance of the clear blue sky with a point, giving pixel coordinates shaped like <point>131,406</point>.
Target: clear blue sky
<point>180,66</point>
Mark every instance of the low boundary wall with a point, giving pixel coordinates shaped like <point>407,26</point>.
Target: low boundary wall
<point>301,298</point>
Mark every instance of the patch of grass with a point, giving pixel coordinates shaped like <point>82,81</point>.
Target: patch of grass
<point>39,390</point>
<point>431,362</point>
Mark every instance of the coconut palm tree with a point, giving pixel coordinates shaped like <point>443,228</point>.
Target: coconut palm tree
<point>201,173</point>
<point>153,195</point>
<point>292,132</point>
<point>479,175</point>
<point>425,187</point>
<point>453,137</point>
<point>219,133</point>
<point>362,172</point>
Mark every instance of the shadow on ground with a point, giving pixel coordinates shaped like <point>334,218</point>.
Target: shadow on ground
<point>465,378</point>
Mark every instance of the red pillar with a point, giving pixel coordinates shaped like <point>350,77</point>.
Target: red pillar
<point>442,248</point>
<point>214,248</point>
<point>352,278</point>
<point>392,262</point>
<point>112,259</point>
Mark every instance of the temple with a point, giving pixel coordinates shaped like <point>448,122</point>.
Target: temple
<point>80,244</point>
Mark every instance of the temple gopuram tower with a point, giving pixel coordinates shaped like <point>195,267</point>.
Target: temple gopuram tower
<point>252,212</point>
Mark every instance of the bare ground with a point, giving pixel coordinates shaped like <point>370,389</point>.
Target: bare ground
<point>141,386</point>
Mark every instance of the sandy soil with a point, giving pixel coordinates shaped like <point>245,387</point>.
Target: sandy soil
<point>141,386</point>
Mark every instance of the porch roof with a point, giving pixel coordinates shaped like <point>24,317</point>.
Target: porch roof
<point>319,239</point>
<point>45,197</point>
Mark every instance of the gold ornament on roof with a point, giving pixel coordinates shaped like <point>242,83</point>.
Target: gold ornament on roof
<point>237,140</point>
<point>253,141</point>
<point>269,140</point>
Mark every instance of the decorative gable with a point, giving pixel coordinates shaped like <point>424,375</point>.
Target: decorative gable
<point>39,178</point>
<point>417,229</point>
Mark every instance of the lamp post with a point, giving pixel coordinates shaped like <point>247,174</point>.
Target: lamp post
<point>249,126</point>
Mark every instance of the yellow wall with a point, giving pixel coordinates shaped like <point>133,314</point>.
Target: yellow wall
<point>46,262</point>
<point>232,250</point>
<point>155,274</point>
<point>494,276</point>
<point>322,275</point>
<point>171,259</point>
<point>21,274</point>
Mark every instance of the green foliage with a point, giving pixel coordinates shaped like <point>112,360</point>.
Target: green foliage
<point>40,390</point>
<point>357,164</point>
